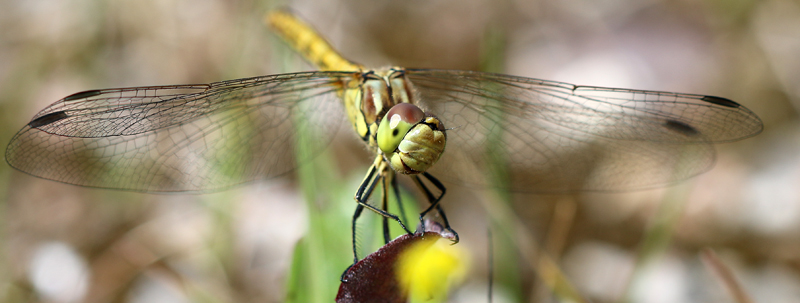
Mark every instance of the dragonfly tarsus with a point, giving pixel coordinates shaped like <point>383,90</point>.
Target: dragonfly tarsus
<point>434,201</point>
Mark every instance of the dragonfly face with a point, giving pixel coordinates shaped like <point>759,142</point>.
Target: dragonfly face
<point>412,141</point>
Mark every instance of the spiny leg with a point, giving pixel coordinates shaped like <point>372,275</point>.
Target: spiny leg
<point>356,214</point>
<point>385,207</point>
<point>400,206</point>
<point>365,190</point>
<point>367,185</point>
<point>428,193</point>
<point>363,193</point>
<point>390,179</point>
<point>434,201</point>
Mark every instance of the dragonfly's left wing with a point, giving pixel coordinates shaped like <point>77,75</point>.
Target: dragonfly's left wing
<point>535,135</point>
<point>184,137</point>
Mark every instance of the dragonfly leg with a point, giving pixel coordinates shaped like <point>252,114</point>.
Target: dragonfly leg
<point>356,214</point>
<point>400,206</point>
<point>391,179</point>
<point>434,201</point>
<point>385,207</point>
<point>362,196</point>
<point>365,190</point>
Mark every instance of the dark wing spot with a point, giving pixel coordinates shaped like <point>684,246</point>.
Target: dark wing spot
<point>394,133</point>
<point>681,127</point>
<point>82,95</point>
<point>721,101</point>
<point>47,119</point>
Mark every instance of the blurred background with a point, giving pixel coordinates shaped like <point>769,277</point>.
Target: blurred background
<point>63,243</point>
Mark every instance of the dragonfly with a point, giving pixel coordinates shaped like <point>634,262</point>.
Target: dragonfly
<point>427,124</point>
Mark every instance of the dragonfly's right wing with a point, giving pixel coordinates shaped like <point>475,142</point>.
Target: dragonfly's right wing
<point>535,135</point>
<point>182,138</point>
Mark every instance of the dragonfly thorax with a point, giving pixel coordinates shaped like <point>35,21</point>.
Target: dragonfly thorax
<point>384,113</point>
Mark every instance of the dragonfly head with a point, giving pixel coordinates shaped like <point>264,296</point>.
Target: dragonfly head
<point>412,140</point>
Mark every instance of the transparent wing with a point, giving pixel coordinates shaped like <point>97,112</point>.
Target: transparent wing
<point>542,136</point>
<point>182,138</point>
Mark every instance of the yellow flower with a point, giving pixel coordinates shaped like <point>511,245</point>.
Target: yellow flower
<point>429,268</point>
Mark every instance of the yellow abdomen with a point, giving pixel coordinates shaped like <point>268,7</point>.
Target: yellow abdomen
<point>308,43</point>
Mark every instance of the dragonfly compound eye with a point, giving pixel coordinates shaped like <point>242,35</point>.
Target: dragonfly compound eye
<point>394,126</point>
<point>411,147</point>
